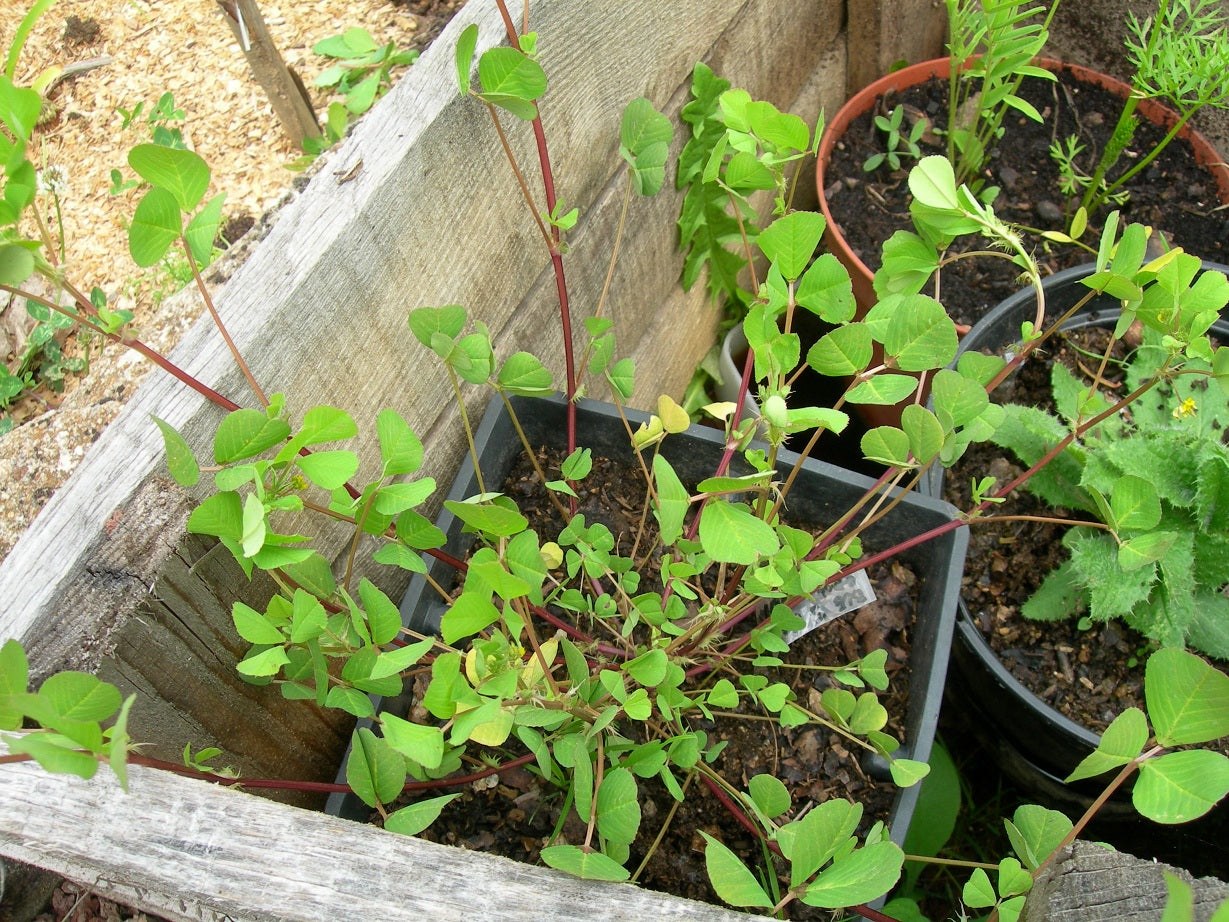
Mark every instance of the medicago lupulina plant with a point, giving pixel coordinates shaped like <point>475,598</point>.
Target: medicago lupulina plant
<point>591,658</point>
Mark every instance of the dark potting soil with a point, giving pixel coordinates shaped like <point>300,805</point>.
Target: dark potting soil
<point>514,814</point>
<point>1174,194</point>
<point>1091,675</point>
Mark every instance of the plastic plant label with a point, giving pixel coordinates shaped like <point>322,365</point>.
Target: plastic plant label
<point>830,602</point>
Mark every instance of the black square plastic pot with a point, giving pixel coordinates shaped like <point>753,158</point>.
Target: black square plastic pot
<point>820,494</point>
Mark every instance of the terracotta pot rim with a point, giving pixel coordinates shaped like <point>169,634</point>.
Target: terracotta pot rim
<point>914,74</point>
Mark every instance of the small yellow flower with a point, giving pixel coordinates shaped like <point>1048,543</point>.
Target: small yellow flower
<point>1185,408</point>
<point>299,482</point>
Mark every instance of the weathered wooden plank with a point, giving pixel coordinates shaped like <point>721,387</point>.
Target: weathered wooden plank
<point>426,214</point>
<point>192,851</point>
<point>326,291</point>
<point>882,32</point>
<point>1090,883</point>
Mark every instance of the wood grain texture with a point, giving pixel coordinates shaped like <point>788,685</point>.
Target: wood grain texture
<point>1090,883</point>
<point>189,850</point>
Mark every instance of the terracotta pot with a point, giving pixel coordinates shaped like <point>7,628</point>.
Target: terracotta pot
<point>916,74</point>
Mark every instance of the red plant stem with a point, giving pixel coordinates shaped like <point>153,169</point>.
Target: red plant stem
<point>137,346</point>
<point>556,254</point>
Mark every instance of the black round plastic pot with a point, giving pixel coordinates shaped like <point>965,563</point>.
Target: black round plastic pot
<point>820,493</point>
<point>1034,745</point>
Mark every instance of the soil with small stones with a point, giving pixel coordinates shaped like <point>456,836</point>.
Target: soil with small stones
<point>1173,194</point>
<point>514,814</point>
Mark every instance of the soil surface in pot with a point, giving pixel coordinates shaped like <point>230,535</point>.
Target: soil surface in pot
<point>1091,675</point>
<point>514,814</point>
<point>1174,194</point>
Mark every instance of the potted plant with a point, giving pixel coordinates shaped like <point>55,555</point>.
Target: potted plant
<point>1152,595</point>
<point>1177,55</point>
<point>605,656</point>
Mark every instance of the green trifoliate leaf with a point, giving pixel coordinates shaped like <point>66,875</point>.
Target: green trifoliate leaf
<point>179,458</point>
<point>156,224</point>
<point>587,865</point>
<point>731,533</point>
<point>375,771</point>
<point>790,242</point>
<point>1178,787</point>
<point>1188,700</point>
<point>182,173</point>
<point>1035,832</point>
<point>730,878</point>
<point>1121,742</point>
<point>411,820</point>
<point>245,434</point>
